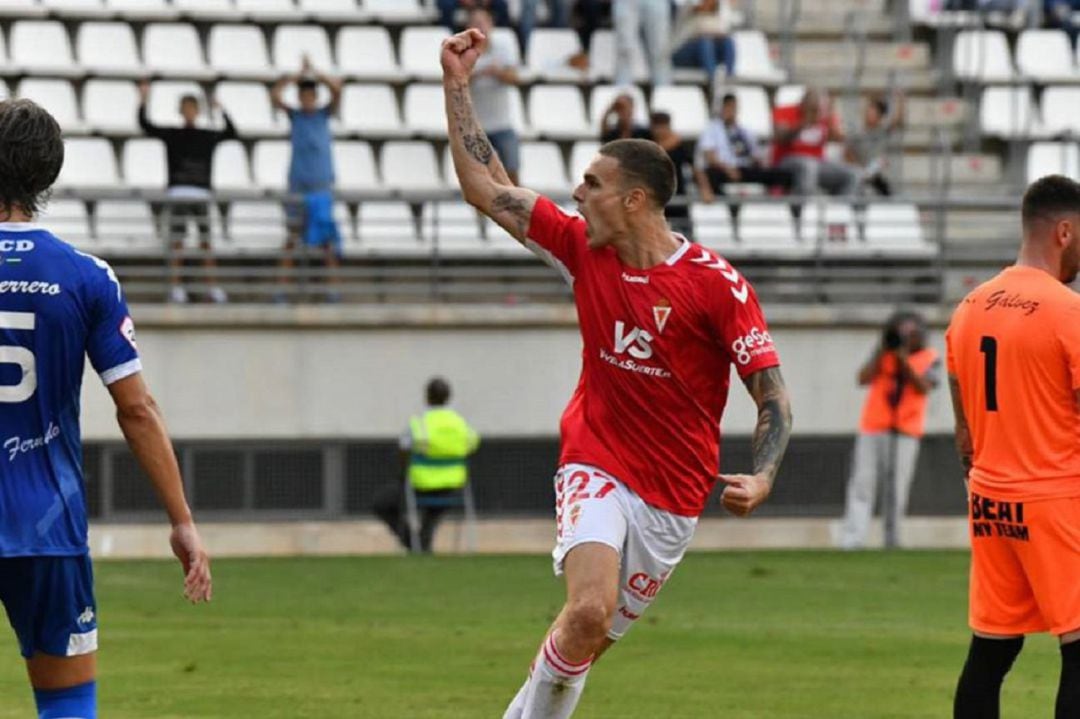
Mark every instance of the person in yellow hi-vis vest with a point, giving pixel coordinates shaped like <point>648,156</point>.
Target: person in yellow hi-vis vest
<point>434,450</point>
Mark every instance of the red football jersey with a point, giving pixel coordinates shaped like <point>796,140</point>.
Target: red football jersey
<point>656,363</point>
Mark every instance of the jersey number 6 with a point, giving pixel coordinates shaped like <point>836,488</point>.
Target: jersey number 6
<point>13,354</point>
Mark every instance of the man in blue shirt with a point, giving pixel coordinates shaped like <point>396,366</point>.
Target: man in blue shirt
<point>58,305</point>
<point>311,170</point>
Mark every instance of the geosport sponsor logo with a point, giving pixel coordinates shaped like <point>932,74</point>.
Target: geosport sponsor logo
<point>753,344</point>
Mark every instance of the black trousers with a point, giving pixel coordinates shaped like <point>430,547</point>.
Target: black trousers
<point>389,506</point>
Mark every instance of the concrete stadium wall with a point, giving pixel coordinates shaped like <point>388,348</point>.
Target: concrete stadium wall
<point>310,373</point>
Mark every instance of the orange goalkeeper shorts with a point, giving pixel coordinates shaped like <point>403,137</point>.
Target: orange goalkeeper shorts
<point>1025,566</point>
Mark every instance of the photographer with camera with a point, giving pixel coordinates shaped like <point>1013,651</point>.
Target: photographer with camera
<point>899,375</point>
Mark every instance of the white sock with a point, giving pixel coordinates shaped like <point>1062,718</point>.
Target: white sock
<point>556,684</point>
<point>517,706</point>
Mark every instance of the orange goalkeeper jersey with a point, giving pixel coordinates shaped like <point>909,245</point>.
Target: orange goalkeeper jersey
<point>1014,347</point>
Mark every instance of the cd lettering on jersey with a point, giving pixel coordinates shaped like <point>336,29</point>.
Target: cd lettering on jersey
<point>16,245</point>
<point>25,287</point>
<point>17,445</point>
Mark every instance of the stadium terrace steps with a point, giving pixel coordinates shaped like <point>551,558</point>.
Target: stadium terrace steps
<point>878,55</point>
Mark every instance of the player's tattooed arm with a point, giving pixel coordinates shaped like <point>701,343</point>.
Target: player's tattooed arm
<point>462,123</point>
<point>773,428</point>
<point>964,447</point>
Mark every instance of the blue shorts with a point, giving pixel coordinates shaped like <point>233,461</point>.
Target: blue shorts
<point>50,604</point>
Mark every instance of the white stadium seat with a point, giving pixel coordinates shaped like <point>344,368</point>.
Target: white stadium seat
<point>896,229</point>
<point>143,163</point>
<point>143,9</point>
<point>354,166</point>
<point>248,104</point>
<point>89,162</point>
<point>208,9</point>
<point>231,170</point>
<point>387,227</point>
<point>558,112</point>
<point>686,105</point>
<point>1061,110</point>
<point>257,225</point>
<point>5,62</point>
<point>367,52</point>
<point>601,97</point>
<point>419,51</point>
<point>982,55</point>
<point>397,11</point>
<point>77,8</point>
<point>1053,158</point>
<point>1046,56</point>
<point>293,42</point>
<point>68,220</point>
<point>755,114</point>
<point>110,106</point>
<point>1009,112</point>
<point>108,48</point>
<point>424,110</point>
<point>371,110</point>
<point>501,243</point>
<point>410,167</point>
<point>830,226</point>
<point>5,93</point>
<point>768,227</point>
<point>239,51</point>
<point>712,226</point>
<point>42,47</point>
<point>581,154</point>
<point>163,105</point>
<point>267,10</point>
<point>753,61</point>
<point>543,170</point>
<point>509,39</point>
<point>332,10</point>
<point>173,49</point>
<point>22,9</point>
<point>549,50</point>
<point>126,226</point>
<point>789,95</point>
<point>451,227</point>
<point>270,164</point>
<point>602,58</point>
<point>58,97</point>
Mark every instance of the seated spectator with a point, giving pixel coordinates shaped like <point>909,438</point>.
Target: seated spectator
<point>728,152</point>
<point>617,122</point>
<point>632,19</point>
<point>189,152</point>
<point>311,169</point>
<point>492,78</point>
<point>678,211</point>
<point>1059,14</point>
<point>801,133</point>
<point>448,11</point>
<point>702,37</point>
<point>558,16</point>
<point>867,149</point>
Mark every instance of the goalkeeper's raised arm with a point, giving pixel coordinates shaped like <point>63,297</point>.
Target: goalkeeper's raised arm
<point>484,182</point>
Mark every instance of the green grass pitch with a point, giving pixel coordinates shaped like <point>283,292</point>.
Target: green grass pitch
<point>757,635</point>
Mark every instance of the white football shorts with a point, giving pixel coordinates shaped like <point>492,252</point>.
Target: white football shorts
<point>593,506</point>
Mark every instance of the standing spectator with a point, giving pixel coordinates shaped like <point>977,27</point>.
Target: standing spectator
<point>558,16</point>
<point>802,132</point>
<point>434,452</point>
<point>677,212</point>
<point>448,11</point>
<point>311,170</point>
<point>702,37</point>
<point>900,375</point>
<point>492,79</point>
<point>867,149</point>
<point>728,152</point>
<point>617,122</point>
<point>189,152</point>
<point>632,18</point>
<point>1059,14</point>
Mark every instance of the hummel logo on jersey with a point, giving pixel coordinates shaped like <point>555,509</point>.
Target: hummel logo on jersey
<point>639,279</point>
<point>87,616</point>
<point>660,313</point>
<point>740,290</point>
<point>636,342</point>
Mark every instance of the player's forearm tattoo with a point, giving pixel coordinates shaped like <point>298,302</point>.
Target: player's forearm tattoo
<point>463,124</point>
<point>774,420</point>
<point>514,209</point>
<point>478,147</point>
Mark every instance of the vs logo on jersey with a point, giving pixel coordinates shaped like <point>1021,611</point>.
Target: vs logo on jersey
<point>636,342</point>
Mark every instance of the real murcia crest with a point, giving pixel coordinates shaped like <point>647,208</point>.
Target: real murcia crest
<point>661,311</point>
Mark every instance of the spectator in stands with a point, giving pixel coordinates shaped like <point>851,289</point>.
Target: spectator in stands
<point>867,149</point>
<point>558,16</point>
<point>729,152</point>
<point>311,169</point>
<point>900,375</point>
<point>588,15</point>
<point>491,81</point>
<point>434,453</point>
<point>632,19</point>
<point>189,152</point>
<point>448,11</point>
<point>702,37</point>
<point>677,212</point>
<point>617,122</point>
<point>1059,14</point>
<point>801,133</point>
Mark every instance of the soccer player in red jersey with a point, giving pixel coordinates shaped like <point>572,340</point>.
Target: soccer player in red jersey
<point>662,320</point>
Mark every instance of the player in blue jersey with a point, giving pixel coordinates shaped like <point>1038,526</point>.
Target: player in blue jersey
<point>58,305</point>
